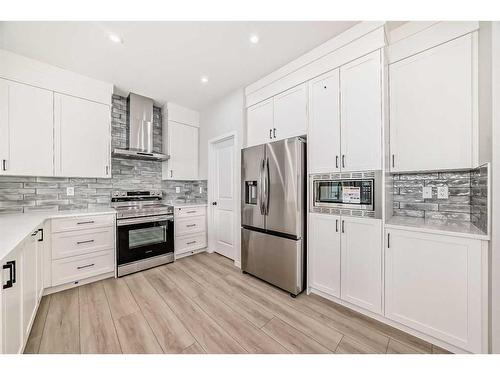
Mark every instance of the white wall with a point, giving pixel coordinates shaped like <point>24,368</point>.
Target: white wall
<point>222,117</point>
<point>495,208</point>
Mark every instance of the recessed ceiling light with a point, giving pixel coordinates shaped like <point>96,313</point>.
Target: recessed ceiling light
<point>204,79</point>
<point>115,38</point>
<point>254,39</point>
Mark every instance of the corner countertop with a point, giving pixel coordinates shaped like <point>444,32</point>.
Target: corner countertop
<point>189,204</point>
<point>15,227</point>
<point>446,227</point>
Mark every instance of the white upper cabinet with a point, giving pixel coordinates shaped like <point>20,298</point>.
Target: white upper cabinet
<point>361,113</point>
<point>180,138</point>
<point>290,113</point>
<point>324,253</point>
<point>82,137</point>
<point>361,255</point>
<point>260,120</point>
<point>324,123</point>
<point>26,130</point>
<point>280,117</point>
<point>434,284</point>
<point>432,115</point>
<point>183,151</point>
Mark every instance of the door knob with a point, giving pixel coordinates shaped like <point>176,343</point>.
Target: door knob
<point>214,203</point>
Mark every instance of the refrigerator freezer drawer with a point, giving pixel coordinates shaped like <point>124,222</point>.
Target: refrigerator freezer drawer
<point>279,261</point>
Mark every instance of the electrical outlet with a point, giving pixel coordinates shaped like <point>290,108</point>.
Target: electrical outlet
<point>70,191</point>
<point>442,192</point>
<point>177,189</point>
<point>201,189</point>
<point>427,192</point>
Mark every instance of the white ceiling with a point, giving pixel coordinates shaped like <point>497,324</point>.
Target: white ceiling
<point>165,60</point>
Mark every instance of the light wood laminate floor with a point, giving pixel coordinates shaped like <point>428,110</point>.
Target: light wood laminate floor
<point>204,304</point>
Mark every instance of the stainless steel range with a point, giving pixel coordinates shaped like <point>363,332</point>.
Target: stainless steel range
<point>145,230</point>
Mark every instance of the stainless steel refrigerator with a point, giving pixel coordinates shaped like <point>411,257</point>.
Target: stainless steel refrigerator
<point>273,213</point>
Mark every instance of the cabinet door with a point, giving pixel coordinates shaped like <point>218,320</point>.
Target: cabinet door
<point>324,124</point>
<point>290,113</point>
<point>431,116</point>
<point>12,318</point>
<point>29,289</point>
<point>39,265</point>
<point>260,123</point>
<point>324,253</point>
<point>433,284</point>
<point>361,255</point>
<point>26,130</point>
<point>361,113</point>
<point>183,150</point>
<point>82,137</point>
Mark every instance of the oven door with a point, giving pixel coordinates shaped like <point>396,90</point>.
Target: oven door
<point>142,238</point>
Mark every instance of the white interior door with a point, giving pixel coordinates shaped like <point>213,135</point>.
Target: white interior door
<point>223,198</point>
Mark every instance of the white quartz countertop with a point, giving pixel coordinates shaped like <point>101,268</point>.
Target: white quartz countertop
<point>187,204</point>
<point>15,227</point>
<point>446,227</point>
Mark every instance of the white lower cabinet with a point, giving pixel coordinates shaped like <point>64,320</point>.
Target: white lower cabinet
<point>361,262</point>
<point>12,302</point>
<point>20,293</point>
<point>190,230</point>
<point>434,284</point>
<point>345,259</point>
<point>324,253</point>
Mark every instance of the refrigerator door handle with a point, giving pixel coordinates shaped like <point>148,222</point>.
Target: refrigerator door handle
<point>266,187</point>
<point>261,187</point>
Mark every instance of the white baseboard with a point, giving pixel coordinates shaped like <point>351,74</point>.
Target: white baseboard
<point>60,288</point>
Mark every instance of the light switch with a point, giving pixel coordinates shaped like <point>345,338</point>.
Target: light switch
<point>70,191</point>
<point>442,192</point>
<point>177,189</point>
<point>427,192</point>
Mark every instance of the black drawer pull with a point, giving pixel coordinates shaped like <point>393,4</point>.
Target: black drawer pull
<point>85,222</point>
<point>190,225</point>
<point>86,266</point>
<point>191,212</point>
<point>88,241</point>
<point>190,243</point>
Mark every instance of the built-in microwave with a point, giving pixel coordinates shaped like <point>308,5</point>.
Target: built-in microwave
<point>356,191</point>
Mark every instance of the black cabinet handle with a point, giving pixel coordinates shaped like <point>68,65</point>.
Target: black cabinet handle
<point>11,266</point>
<point>388,240</point>
<point>87,266</point>
<point>270,133</point>
<point>343,161</point>
<point>336,161</point>
<point>274,132</point>
<point>190,243</point>
<point>336,225</point>
<point>342,226</point>
<point>85,222</point>
<point>41,238</point>
<point>214,203</point>
<point>88,241</point>
<point>190,225</point>
<point>393,160</point>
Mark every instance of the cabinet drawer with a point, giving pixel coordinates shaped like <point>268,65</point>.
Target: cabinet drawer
<point>81,267</point>
<point>82,222</point>
<point>67,244</point>
<point>189,243</point>
<point>190,225</point>
<point>190,211</point>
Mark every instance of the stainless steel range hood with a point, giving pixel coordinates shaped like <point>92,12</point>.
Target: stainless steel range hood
<point>140,128</point>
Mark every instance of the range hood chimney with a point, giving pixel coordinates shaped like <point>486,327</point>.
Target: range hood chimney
<point>140,128</point>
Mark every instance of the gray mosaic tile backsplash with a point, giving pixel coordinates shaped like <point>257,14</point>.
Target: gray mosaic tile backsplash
<point>467,200</point>
<point>479,198</point>
<point>26,194</point>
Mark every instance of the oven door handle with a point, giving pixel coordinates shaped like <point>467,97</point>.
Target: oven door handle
<point>140,220</point>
